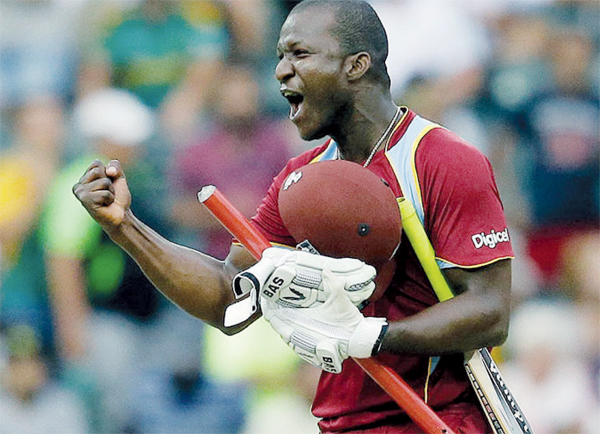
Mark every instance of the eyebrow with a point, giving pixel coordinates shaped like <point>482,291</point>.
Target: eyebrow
<point>286,46</point>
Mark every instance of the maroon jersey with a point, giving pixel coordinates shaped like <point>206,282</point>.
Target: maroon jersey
<point>464,219</point>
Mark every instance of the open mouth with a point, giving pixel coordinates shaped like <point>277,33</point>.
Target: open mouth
<point>295,99</point>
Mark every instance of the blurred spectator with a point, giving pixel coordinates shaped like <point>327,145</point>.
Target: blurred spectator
<point>226,156</point>
<point>549,370</point>
<point>173,393</point>
<point>559,131</point>
<point>168,53</point>
<point>517,70</point>
<point>254,27</point>
<point>99,296</point>
<point>27,165</point>
<point>31,401</point>
<point>38,49</point>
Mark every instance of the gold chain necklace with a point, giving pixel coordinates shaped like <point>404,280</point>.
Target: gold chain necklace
<point>381,139</point>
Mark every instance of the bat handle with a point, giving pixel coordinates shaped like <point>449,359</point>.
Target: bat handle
<point>233,220</point>
<point>255,242</point>
<point>404,395</point>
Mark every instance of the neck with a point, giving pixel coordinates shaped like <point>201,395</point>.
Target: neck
<point>364,132</point>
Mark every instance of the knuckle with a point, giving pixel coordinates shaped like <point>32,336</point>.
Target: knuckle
<point>106,197</point>
<point>105,183</point>
<point>95,171</point>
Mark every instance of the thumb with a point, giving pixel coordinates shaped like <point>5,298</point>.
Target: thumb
<point>337,306</point>
<point>114,170</point>
<point>333,286</point>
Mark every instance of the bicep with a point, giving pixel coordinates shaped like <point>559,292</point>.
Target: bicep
<point>494,278</point>
<point>487,290</point>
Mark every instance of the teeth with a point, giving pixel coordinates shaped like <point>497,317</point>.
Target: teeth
<point>294,99</point>
<point>294,111</point>
<point>288,93</point>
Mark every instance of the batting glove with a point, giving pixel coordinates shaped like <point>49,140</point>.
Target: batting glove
<point>294,278</point>
<point>330,332</point>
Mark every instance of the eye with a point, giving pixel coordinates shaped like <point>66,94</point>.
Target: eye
<point>300,53</point>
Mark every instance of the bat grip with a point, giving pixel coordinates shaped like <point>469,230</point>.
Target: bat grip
<point>233,220</point>
<point>255,242</point>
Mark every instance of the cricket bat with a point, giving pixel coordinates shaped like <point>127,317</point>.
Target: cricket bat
<point>255,242</point>
<point>501,409</point>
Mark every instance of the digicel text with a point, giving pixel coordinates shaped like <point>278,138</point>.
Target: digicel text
<point>490,240</point>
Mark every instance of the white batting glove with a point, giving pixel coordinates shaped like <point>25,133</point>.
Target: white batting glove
<point>294,277</point>
<point>330,332</point>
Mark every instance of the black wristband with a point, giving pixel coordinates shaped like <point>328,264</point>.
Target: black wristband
<point>379,341</point>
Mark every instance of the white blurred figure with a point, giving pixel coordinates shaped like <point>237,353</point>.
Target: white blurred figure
<point>96,336</point>
<point>548,367</point>
<point>431,39</point>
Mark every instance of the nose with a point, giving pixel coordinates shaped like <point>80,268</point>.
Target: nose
<point>284,70</point>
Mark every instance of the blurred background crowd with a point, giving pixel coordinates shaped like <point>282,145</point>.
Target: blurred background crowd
<point>183,94</point>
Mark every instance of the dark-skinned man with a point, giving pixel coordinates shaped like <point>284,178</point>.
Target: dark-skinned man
<point>332,71</point>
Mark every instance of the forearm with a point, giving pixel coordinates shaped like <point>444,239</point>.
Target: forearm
<point>478,317</point>
<point>198,283</point>
<point>449,327</point>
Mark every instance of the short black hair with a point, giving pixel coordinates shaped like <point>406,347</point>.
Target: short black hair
<point>357,28</point>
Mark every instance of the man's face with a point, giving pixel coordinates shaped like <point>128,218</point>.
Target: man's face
<point>310,71</point>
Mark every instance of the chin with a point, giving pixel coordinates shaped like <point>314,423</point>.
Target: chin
<point>311,134</point>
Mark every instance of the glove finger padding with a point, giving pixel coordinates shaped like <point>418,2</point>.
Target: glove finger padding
<point>315,348</point>
<point>327,333</point>
<point>297,280</point>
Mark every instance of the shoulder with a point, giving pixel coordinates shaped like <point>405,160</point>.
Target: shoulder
<point>426,154</point>
<point>310,155</point>
<point>267,218</point>
<point>441,145</point>
<point>444,154</point>
<point>301,160</point>
<point>293,164</point>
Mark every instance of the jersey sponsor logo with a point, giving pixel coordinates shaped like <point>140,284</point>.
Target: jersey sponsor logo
<point>490,240</point>
<point>292,178</point>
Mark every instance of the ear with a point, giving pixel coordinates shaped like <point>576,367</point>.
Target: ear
<point>357,65</point>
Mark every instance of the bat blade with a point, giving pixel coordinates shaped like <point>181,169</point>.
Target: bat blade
<point>499,405</point>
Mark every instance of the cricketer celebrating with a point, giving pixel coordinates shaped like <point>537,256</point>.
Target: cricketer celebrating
<point>332,71</point>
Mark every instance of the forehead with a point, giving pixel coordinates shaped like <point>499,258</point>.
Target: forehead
<point>308,27</point>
